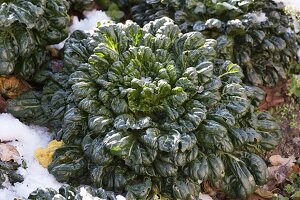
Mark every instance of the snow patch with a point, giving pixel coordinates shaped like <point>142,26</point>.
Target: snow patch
<point>26,139</point>
<point>146,79</point>
<point>87,24</point>
<point>296,24</point>
<point>294,4</point>
<point>205,197</point>
<point>119,197</point>
<point>259,16</point>
<point>85,195</point>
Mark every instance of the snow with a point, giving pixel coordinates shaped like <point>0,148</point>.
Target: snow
<point>259,16</point>
<point>204,197</point>
<point>296,25</point>
<point>294,4</point>
<point>87,24</point>
<point>87,196</point>
<point>146,79</point>
<point>119,197</point>
<point>59,45</point>
<point>26,139</point>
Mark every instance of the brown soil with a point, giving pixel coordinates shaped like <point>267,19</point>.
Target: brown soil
<point>287,112</point>
<point>288,116</point>
<point>275,96</point>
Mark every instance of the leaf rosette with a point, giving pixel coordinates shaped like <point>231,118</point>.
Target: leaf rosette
<point>156,113</point>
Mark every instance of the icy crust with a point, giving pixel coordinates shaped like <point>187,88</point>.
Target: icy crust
<point>26,139</point>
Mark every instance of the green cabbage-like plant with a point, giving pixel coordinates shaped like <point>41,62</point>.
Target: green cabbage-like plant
<point>26,27</point>
<point>257,35</point>
<point>71,193</point>
<point>156,113</point>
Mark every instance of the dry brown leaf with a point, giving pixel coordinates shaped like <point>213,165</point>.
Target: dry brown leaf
<point>8,152</point>
<point>274,96</point>
<point>278,174</point>
<point>266,194</point>
<point>53,52</point>
<point>207,188</point>
<point>280,170</point>
<point>11,87</point>
<point>277,160</point>
<point>296,169</point>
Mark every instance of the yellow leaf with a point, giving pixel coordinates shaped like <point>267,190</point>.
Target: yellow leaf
<point>45,155</point>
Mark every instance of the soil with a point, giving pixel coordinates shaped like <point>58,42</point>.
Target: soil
<point>275,96</point>
<point>290,142</point>
<point>287,112</point>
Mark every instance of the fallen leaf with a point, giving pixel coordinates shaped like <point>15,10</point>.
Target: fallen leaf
<point>280,170</point>
<point>45,155</point>
<point>266,194</point>
<point>274,96</point>
<point>11,87</point>
<point>278,174</point>
<point>277,160</point>
<point>8,152</point>
<point>53,52</point>
<point>296,169</point>
<point>208,189</point>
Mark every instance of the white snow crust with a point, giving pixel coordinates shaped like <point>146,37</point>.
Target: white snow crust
<point>26,139</point>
